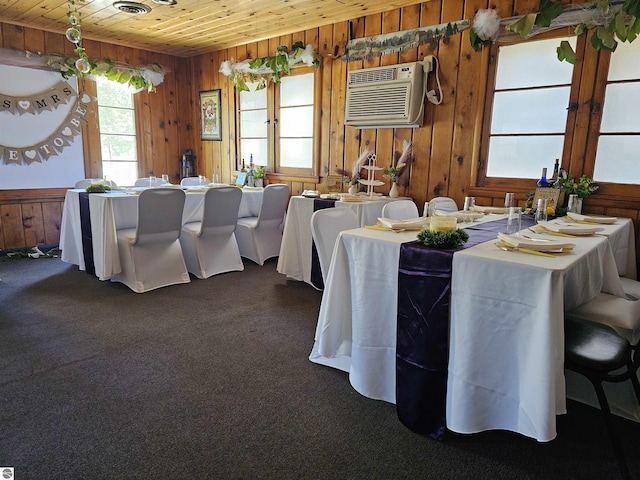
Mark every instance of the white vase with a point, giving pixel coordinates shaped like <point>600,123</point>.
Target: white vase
<point>393,193</point>
<point>354,189</point>
<point>259,182</point>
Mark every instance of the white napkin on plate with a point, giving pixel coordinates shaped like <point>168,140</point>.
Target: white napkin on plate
<point>408,224</point>
<point>578,217</point>
<point>571,229</point>
<point>521,242</point>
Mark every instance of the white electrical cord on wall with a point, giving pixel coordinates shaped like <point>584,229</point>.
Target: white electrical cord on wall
<point>431,94</point>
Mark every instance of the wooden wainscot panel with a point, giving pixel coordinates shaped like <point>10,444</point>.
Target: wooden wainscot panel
<point>13,232</point>
<point>32,223</point>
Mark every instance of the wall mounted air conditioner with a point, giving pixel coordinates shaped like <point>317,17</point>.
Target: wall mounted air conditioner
<point>387,97</point>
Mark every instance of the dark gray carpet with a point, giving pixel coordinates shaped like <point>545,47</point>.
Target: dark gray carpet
<point>211,380</point>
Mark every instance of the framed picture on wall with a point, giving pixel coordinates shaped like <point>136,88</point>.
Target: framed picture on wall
<point>210,115</point>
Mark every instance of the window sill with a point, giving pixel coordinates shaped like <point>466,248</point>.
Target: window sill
<point>283,177</point>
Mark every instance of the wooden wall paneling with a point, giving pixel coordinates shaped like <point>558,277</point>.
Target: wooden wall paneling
<point>2,243</point>
<point>324,49</point>
<point>229,151</point>
<point>421,146</point>
<point>13,37</point>
<point>169,120</point>
<point>183,122</point>
<point>2,27</point>
<point>34,40</point>
<point>55,43</point>
<point>448,54</point>
<point>52,215</point>
<point>469,97</point>
<point>204,151</point>
<point>352,145</point>
<point>13,232</point>
<point>409,19</point>
<point>337,88</point>
<point>33,224</point>
<point>91,134</point>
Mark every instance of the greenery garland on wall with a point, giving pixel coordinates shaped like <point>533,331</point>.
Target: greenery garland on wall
<point>258,69</point>
<point>612,21</point>
<point>140,78</point>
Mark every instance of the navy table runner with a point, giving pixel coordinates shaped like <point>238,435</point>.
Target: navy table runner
<point>316,272</point>
<point>85,228</point>
<point>422,349</point>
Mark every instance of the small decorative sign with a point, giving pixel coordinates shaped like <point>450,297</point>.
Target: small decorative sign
<point>334,183</point>
<point>551,194</point>
<point>241,179</point>
<point>210,115</point>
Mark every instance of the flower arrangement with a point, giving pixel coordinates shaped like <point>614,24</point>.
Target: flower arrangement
<point>356,171</point>
<point>583,186</point>
<point>395,169</point>
<point>258,172</point>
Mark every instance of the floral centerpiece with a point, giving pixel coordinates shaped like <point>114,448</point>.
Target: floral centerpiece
<point>583,186</point>
<point>396,168</point>
<point>356,172</point>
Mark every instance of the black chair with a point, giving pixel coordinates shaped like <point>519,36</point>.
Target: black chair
<point>601,355</point>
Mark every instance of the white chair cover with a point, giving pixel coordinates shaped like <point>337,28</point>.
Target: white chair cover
<point>84,183</point>
<point>400,210</point>
<point>210,246</point>
<point>326,225</point>
<point>445,204</point>
<point>259,238</point>
<point>144,182</point>
<point>150,254</point>
<point>192,181</point>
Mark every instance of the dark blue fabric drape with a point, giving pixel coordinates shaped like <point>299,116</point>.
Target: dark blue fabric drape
<point>316,273</point>
<point>85,228</point>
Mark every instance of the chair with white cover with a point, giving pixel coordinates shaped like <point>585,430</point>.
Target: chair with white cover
<point>192,181</point>
<point>85,182</point>
<point>146,182</point>
<point>400,210</point>
<point>259,238</point>
<point>326,225</point>
<point>150,254</point>
<point>209,246</point>
<point>444,204</point>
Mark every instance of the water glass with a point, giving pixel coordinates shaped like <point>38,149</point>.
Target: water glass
<point>572,206</point>
<point>165,179</point>
<point>541,211</point>
<point>425,211</point>
<point>469,204</point>
<point>202,180</point>
<point>152,181</point>
<point>216,179</point>
<point>514,220</point>
<point>509,200</point>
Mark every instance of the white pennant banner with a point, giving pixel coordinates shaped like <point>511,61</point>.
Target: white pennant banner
<point>57,141</point>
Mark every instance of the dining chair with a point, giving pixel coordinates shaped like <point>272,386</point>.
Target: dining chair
<point>259,238</point>
<point>601,355</point>
<point>209,246</point>
<point>326,225</point>
<point>85,182</point>
<point>150,253</point>
<point>444,204</point>
<point>146,182</point>
<point>192,181</point>
<point>400,210</point>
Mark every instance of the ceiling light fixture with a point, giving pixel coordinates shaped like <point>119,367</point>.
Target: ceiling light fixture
<point>133,8</point>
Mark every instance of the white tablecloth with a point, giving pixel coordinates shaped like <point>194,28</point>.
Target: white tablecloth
<point>117,210</point>
<point>294,260</point>
<point>507,342</point>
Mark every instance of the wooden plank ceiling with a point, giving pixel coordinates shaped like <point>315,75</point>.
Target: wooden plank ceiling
<point>192,27</point>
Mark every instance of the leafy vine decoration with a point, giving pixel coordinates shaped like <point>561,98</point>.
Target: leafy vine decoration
<point>259,69</point>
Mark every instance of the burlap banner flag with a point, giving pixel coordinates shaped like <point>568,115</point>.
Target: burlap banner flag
<point>57,141</point>
<point>54,97</point>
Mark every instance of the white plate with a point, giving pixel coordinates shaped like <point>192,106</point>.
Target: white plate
<point>571,229</point>
<point>591,218</point>
<point>520,242</point>
<point>409,224</point>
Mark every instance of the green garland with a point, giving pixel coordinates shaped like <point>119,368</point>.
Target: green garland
<point>98,188</point>
<point>453,239</point>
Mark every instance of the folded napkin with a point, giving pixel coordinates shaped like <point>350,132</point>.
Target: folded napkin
<point>570,229</point>
<point>409,224</point>
<point>490,209</point>
<point>460,216</point>
<point>591,218</point>
<point>521,242</point>
<point>252,189</point>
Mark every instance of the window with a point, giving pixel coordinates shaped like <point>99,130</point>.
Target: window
<point>529,110</point>
<point>619,136</point>
<point>277,125</point>
<point>117,132</point>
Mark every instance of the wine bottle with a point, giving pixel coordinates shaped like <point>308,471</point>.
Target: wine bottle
<point>543,182</point>
<point>556,169</point>
<point>250,178</point>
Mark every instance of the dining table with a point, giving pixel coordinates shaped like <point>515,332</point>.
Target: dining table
<point>296,258</point>
<point>501,345</point>
<point>90,221</point>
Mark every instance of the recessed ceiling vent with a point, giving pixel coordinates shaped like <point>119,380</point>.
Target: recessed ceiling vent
<point>134,8</point>
<point>165,2</point>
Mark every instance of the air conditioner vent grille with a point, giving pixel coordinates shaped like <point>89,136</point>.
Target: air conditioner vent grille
<point>362,77</point>
<point>389,102</point>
